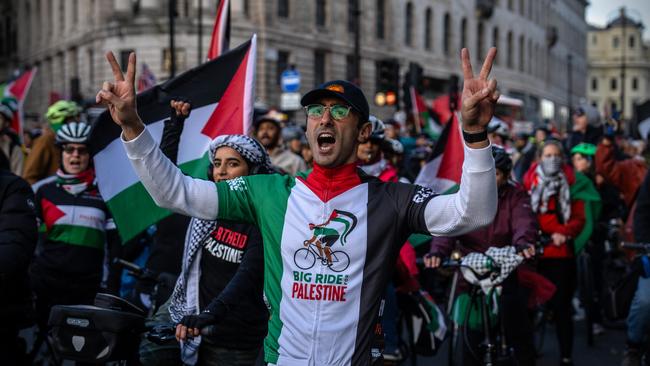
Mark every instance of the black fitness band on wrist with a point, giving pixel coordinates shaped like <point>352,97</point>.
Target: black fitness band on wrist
<point>472,137</point>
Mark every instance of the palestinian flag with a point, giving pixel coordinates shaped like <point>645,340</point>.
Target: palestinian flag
<point>423,116</point>
<point>221,93</point>
<point>221,31</point>
<point>442,172</point>
<point>18,89</point>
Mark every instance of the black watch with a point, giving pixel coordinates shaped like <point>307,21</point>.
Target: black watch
<point>472,137</point>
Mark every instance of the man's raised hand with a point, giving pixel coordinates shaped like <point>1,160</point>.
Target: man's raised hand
<point>479,94</point>
<point>119,97</point>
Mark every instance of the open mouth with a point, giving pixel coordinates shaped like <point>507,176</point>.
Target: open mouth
<point>326,141</point>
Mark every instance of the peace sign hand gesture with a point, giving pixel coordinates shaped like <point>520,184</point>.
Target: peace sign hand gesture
<point>119,96</point>
<point>479,94</point>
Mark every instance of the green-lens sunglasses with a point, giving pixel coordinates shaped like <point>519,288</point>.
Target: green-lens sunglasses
<point>337,111</point>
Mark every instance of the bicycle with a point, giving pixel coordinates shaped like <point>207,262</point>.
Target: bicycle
<point>110,330</point>
<point>494,348</point>
<point>305,258</point>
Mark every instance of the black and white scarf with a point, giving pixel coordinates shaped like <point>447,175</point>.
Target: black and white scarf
<point>547,187</point>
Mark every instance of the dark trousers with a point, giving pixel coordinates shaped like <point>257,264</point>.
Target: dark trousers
<point>562,272</point>
<point>12,351</point>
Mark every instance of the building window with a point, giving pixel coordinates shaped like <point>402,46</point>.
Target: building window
<point>522,6</point>
<point>463,33</point>
<point>167,62</point>
<point>612,84</point>
<point>427,29</point>
<point>352,5</point>
<point>510,5</point>
<point>479,41</point>
<point>509,60</point>
<point>594,84</point>
<point>283,8</point>
<point>521,53</point>
<point>319,67</point>
<point>408,25</point>
<point>321,15</point>
<point>446,40</point>
<point>631,42</point>
<point>381,19</point>
<point>124,59</point>
<point>62,15</point>
<point>246,8</point>
<point>349,68</point>
<point>75,11</point>
<point>281,65</point>
<point>91,66</point>
<point>635,83</point>
<point>615,42</point>
<point>495,43</point>
<point>594,39</point>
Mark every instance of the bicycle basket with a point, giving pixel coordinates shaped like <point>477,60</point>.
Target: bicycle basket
<point>107,331</point>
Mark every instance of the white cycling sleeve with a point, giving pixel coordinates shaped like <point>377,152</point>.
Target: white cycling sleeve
<point>475,203</point>
<point>167,185</point>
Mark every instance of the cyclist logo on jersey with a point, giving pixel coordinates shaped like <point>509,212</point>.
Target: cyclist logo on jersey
<point>336,229</point>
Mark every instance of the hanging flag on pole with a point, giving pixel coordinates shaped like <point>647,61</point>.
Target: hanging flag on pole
<point>222,98</point>
<point>18,89</point>
<point>147,79</point>
<point>424,119</point>
<point>443,170</point>
<point>221,31</point>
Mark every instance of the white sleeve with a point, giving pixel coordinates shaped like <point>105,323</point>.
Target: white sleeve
<point>166,184</point>
<point>475,203</point>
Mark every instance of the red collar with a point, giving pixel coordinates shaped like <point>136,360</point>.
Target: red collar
<point>328,183</point>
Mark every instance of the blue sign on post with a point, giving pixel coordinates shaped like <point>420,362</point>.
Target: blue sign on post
<point>290,81</point>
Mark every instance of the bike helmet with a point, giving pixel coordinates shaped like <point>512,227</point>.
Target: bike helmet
<point>377,133</point>
<point>499,127</point>
<point>73,132</point>
<point>584,149</point>
<point>58,112</point>
<point>395,146</point>
<point>502,159</point>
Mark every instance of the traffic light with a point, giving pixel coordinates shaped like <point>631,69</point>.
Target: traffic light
<point>387,81</point>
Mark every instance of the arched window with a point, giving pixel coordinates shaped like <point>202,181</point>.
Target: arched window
<point>447,34</point>
<point>479,41</point>
<point>427,29</point>
<point>380,18</point>
<point>631,42</point>
<point>463,33</point>
<point>509,45</point>
<point>635,83</point>
<point>495,43</point>
<point>408,25</point>
<point>615,42</point>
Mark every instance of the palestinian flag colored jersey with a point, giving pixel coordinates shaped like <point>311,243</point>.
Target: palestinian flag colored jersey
<point>329,252</point>
<point>75,229</point>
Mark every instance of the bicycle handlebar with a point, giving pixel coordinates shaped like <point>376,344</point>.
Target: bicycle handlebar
<point>636,246</point>
<point>164,333</point>
<point>130,266</point>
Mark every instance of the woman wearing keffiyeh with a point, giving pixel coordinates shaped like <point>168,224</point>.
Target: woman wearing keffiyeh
<point>561,216</point>
<point>222,270</point>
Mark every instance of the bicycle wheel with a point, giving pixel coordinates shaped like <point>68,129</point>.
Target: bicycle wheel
<point>340,261</point>
<point>586,292</point>
<point>304,258</point>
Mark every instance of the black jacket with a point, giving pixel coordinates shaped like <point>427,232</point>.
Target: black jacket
<point>18,235</point>
<point>642,213</point>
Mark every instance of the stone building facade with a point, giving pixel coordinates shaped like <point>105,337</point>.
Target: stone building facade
<point>540,43</point>
<point>621,40</point>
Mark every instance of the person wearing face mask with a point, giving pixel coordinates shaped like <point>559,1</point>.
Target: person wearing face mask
<point>69,264</point>
<point>561,216</point>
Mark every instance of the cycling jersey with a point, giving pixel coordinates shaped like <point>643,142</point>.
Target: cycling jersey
<point>75,227</point>
<point>323,309</point>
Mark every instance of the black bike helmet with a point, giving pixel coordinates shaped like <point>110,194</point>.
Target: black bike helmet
<point>73,132</point>
<point>378,127</point>
<point>502,159</point>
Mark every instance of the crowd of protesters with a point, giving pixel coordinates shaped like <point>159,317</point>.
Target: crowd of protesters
<point>562,188</point>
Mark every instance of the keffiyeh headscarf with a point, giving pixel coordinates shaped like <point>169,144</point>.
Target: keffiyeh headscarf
<point>251,150</point>
<point>548,186</point>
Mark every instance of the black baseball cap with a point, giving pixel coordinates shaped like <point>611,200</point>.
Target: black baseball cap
<point>343,90</point>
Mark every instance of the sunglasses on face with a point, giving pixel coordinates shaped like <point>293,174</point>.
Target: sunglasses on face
<point>337,111</point>
<point>71,149</point>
